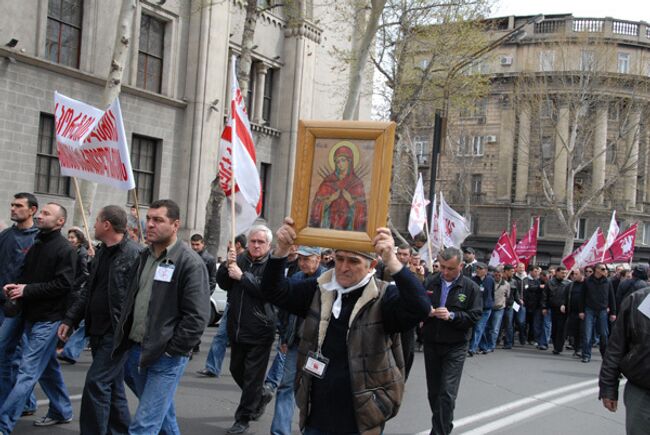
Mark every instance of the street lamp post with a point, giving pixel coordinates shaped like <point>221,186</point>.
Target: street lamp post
<point>440,119</point>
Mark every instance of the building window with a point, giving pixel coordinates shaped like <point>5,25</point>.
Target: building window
<point>546,60</point>
<point>587,60</point>
<point>478,109</point>
<point>646,233</point>
<point>48,171</point>
<point>471,146</point>
<point>547,149</point>
<point>623,63</point>
<point>268,96</point>
<point>144,151</point>
<point>477,188</point>
<point>150,53</point>
<point>581,228</point>
<point>265,178</point>
<point>63,35</point>
<point>421,145</point>
<point>546,109</point>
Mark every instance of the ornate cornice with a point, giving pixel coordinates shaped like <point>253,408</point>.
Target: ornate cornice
<point>303,28</point>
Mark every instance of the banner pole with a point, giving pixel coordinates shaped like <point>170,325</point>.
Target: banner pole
<point>137,213</point>
<point>430,259</point>
<point>83,213</point>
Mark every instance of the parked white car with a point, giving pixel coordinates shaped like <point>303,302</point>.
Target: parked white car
<point>218,305</point>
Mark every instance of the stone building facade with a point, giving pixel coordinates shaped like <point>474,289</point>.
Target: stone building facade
<point>175,92</point>
<point>571,98</point>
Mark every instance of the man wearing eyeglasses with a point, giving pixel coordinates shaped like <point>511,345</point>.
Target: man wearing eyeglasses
<point>597,303</point>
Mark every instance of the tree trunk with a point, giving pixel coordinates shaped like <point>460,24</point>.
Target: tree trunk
<point>245,59</point>
<point>212,229</point>
<point>360,59</point>
<point>111,91</point>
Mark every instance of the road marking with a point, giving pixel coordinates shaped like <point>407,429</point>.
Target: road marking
<point>523,415</point>
<point>44,402</point>
<point>517,404</point>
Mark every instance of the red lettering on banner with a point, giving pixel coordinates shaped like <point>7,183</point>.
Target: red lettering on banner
<point>106,129</point>
<point>103,161</point>
<point>71,125</point>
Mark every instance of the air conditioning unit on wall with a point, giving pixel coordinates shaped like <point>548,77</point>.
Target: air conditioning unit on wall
<point>506,60</point>
<point>491,139</point>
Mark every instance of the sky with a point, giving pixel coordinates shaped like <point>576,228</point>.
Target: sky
<point>633,10</point>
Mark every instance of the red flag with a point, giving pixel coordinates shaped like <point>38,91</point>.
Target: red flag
<point>589,253</point>
<point>527,247</point>
<point>503,252</point>
<point>622,250</point>
<point>513,233</point>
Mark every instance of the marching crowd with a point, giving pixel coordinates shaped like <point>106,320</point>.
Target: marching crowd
<point>347,322</point>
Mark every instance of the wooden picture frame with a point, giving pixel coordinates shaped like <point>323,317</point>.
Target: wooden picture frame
<point>341,182</point>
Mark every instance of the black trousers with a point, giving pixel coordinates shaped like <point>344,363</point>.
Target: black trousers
<point>574,331</point>
<point>408,348</point>
<point>558,329</point>
<point>444,366</point>
<point>104,408</point>
<point>248,368</point>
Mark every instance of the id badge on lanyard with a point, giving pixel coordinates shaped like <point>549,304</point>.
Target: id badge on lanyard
<point>316,364</point>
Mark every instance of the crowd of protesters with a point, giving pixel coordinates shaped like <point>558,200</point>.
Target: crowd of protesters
<point>138,297</point>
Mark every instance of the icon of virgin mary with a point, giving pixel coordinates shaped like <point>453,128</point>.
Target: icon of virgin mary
<point>340,201</point>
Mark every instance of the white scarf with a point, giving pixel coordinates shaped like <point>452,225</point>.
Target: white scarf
<point>333,285</point>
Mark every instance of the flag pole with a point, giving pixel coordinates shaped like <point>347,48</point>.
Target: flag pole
<point>137,213</point>
<point>430,260</point>
<point>81,207</point>
<point>233,139</point>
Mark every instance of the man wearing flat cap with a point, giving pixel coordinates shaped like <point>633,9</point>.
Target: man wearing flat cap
<point>469,258</point>
<point>351,327</point>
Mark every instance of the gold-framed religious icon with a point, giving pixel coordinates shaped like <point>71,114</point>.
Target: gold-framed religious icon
<point>341,183</point>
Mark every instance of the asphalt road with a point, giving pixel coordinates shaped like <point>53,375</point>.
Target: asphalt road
<point>508,392</point>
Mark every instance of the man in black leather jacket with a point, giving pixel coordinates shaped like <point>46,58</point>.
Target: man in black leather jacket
<point>104,408</point>
<point>163,317</point>
<point>638,281</point>
<point>251,323</point>
<point>628,353</point>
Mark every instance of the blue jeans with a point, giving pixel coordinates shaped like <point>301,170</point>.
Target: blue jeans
<point>274,376</point>
<point>594,320</point>
<point>542,327</point>
<point>217,352</point>
<point>10,353</point>
<point>509,333</point>
<point>38,363</point>
<point>155,387</point>
<point>479,328</point>
<point>284,398</point>
<point>489,340</point>
<point>75,343</point>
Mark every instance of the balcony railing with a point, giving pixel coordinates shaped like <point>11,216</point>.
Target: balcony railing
<point>550,26</point>
<point>625,28</point>
<point>590,25</point>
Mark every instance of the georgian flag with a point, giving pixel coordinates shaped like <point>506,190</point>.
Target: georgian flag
<point>237,158</point>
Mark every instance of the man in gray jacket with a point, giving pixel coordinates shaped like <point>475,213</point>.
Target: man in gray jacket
<point>164,315</point>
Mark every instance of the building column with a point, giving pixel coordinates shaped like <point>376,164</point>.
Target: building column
<point>523,153</point>
<point>599,165</point>
<point>647,165</point>
<point>260,85</point>
<point>632,151</point>
<point>561,158</point>
<point>506,152</point>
